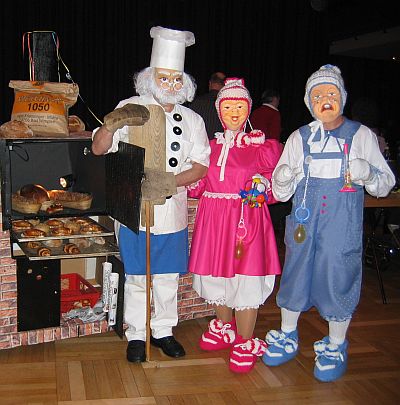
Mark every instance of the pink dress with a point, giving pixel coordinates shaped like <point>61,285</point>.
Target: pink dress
<point>214,236</point>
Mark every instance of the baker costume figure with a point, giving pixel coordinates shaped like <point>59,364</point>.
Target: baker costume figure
<point>234,257</point>
<point>325,166</point>
<point>164,83</point>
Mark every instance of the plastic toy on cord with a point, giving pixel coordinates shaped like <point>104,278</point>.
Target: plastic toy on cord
<point>255,195</point>
<point>347,187</point>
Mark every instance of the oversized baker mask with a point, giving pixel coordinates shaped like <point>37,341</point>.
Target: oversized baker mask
<point>325,95</point>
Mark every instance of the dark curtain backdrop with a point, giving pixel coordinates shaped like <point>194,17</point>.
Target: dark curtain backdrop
<point>269,43</point>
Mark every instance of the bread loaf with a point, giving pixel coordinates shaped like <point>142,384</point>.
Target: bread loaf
<point>15,129</point>
<point>75,124</point>
<point>34,192</point>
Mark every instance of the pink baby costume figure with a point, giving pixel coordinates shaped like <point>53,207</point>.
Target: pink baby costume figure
<point>323,235</point>
<point>234,258</point>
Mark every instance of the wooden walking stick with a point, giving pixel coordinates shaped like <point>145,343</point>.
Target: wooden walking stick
<point>148,280</point>
<point>151,137</point>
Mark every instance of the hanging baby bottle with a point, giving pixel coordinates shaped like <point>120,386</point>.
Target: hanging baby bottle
<point>347,186</point>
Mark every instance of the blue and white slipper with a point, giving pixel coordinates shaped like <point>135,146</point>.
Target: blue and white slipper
<point>330,360</point>
<point>281,347</point>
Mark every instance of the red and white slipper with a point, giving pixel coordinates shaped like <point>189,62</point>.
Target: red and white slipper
<point>219,336</point>
<point>244,354</point>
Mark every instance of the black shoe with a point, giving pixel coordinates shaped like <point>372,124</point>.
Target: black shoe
<point>136,351</point>
<point>169,346</point>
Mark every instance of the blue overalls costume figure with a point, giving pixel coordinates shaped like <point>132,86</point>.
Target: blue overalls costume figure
<point>323,236</point>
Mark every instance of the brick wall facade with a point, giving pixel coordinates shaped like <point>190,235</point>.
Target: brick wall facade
<point>190,305</point>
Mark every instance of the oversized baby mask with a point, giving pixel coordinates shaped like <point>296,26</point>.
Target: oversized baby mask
<point>233,104</point>
<point>325,102</point>
<point>325,94</point>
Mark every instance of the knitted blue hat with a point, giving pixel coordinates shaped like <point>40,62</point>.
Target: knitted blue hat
<point>327,74</point>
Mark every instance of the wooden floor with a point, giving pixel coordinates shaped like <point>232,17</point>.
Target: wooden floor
<point>93,369</point>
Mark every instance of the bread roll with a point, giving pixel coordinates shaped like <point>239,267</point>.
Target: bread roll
<point>98,240</point>
<point>89,229</point>
<point>54,243</point>
<point>43,227</point>
<point>15,129</point>
<point>21,225</point>
<point>61,231</point>
<point>35,192</point>
<point>75,124</point>
<point>34,222</point>
<point>82,243</point>
<point>33,245</point>
<point>71,248</point>
<point>74,226</point>
<point>46,204</point>
<point>54,208</point>
<point>54,223</point>
<point>44,251</point>
<point>33,233</point>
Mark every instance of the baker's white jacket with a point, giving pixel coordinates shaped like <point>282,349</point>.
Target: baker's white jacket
<point>191,145</point>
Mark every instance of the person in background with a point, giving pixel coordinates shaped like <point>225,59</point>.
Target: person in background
<point>365,110</point>
<point>323,236</point>
<point>204,104</point>
<point>267,117</point>
<point>164,83</point>
<point>234,257</point>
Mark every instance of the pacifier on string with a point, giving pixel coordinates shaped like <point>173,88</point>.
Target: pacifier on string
<point>241,233</point>
<point>302,213</point>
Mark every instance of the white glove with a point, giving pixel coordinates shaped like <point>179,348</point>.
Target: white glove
<point>284,175</point>
<point>360,170</point>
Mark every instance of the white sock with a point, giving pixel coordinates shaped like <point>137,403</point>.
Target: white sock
<point>289,320</point>
<point>337,331</point>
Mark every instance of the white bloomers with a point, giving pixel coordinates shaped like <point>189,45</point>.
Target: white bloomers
<point>239,292</point>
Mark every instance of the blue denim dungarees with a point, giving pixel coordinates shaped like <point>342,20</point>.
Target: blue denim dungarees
<point>325,270</point>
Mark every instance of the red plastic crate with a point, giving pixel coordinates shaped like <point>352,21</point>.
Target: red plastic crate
<point>76,292</point>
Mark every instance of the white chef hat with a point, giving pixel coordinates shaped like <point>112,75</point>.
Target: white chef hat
<point>169,48</point>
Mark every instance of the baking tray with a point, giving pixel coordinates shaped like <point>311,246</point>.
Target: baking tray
<point>104,232</point>
<point>94,250</point>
